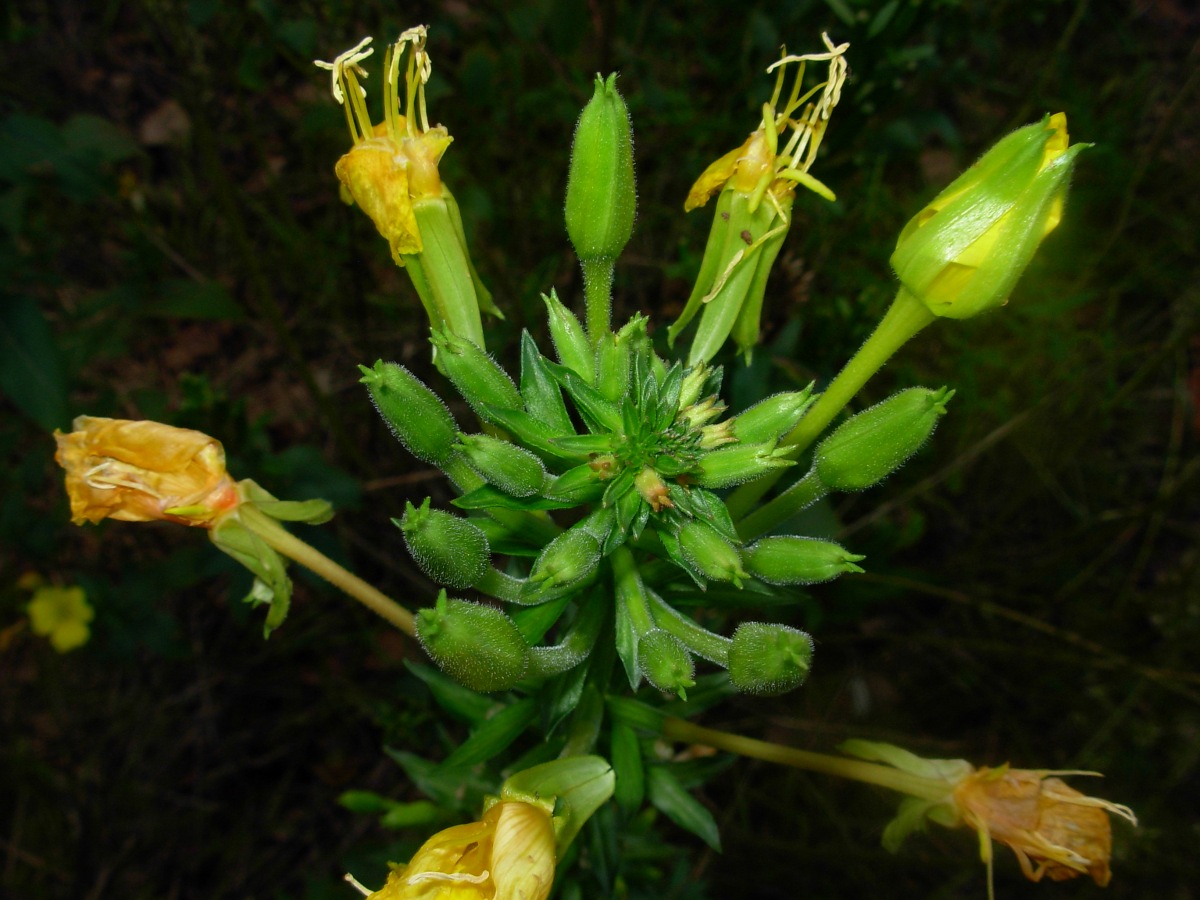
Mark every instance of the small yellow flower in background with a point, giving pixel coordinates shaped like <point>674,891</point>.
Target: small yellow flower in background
<point>510,855</point>
<point>61,615</point>
<point>140,471</point>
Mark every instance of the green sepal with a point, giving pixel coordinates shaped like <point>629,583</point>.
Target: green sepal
<point>748,324</point>
<point>577,786</point>
<point>710,266</point>
<point>571,345</point>
<point>599,414</point>
<point>271,582</point>
<point>487,303</point>
<point>541,393</point>
<point>444,271</point>
<point>494,735</point>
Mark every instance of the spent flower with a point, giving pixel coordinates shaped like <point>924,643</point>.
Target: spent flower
<point>756,186</point>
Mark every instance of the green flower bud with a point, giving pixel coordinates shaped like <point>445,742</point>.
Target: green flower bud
<point>869,446</point>
<point>769,659</point>
<point>963,253</point>
<point>571,345</point>
<point>614,358</point>
<point>772,418</point>
<point>740,463</point>
<point>666,663</point>
<point>415,414</point>
<point>798,560</point>
<point>564,564</point>
<point>515,471</point>
<point>474,374</point>
<point>601,197</point>
<point>450,550</point>
<point>476,645</point>
<point>711,554</point>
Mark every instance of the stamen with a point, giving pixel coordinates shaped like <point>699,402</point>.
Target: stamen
<point>351,60</point>
<point>357,885</point>
<point>481,878</point>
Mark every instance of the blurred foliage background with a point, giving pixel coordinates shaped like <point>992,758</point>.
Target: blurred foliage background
<point>172,247</point>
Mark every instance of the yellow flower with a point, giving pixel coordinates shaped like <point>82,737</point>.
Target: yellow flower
<point>61,615</point>
<point>140,471</point>
<point>394,163</point>
<point>510,855</point>
<point>963,253</point>
<point>1052,828</point>
<point>759,164</point>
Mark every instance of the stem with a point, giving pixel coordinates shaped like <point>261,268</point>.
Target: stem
<point>280,539</point>
<point>630,590</point>
<point>701,641</point>
<point>856,769</point>
<point>905,317</point>
<point>597,294</point>
<point>805,492</point>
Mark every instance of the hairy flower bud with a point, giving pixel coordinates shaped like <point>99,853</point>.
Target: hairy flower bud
<point>798,560</point>
<point>415,414</point>
<point>564,564</point>
<point>772,418</point>
<point>601,197</point>
<point>739,463</point>
<point>450,550</point>
<point>769,659</point>
<point>474,374</point>
<point>869,446</point>
<point>709,553</point>
<point>666,662</point>
<point>510,468</point>
<point>476,645</point>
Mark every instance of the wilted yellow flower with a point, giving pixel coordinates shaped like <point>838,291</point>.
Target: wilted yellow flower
<point>62,616</point>
<point>510,855</point>
<point>139,471</point>
<point>1052,828</point>
<point>760,164</point>
<point>394,163</point>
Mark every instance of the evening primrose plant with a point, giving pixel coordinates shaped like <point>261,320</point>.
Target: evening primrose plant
<point>611,512</point>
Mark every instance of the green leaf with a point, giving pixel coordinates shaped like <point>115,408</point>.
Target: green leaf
<point>188,299</point>
<point>494,735</point>
<point>489,497</point>
<point>669,797</point>
<point>31,371</point>
<point>458,788</point>
<point>630,790</point>
<point>452,696</point>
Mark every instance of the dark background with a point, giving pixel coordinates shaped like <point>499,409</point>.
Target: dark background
<point>172,247</point>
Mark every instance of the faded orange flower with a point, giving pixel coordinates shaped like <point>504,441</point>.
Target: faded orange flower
<point>140,471</point>
<point>1052,828</point>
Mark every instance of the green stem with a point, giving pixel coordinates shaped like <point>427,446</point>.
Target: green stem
<point>701,641</point>
<point>805,492</point>
<point>597,294</point>
<point>280,539</point>
<point>905,318</point>
<point>858,770</point>
<point>501,586</point>
<point>629,588</point>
